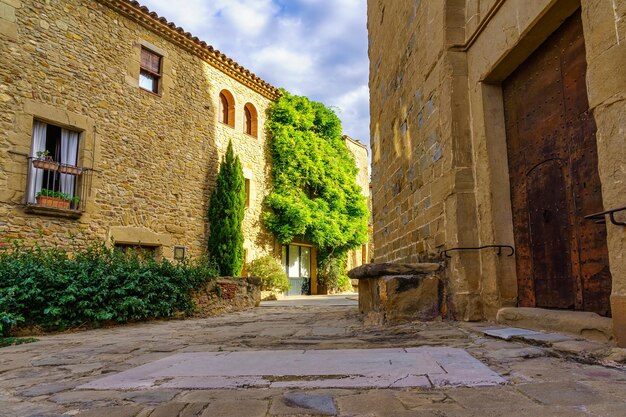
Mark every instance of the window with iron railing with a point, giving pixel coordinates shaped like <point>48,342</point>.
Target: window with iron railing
<point>55,179</point>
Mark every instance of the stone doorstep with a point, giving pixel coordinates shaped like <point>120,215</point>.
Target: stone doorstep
<point>559,344</point>
<point>579,324</point>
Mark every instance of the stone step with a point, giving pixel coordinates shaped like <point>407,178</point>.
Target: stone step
<point>583,324</point>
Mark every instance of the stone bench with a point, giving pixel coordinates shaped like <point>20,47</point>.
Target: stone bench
<point>394,293</point>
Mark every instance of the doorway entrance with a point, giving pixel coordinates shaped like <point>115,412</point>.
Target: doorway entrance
<point>296,260</point>
<point>562,259</point>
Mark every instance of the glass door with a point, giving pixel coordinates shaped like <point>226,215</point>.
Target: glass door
<point>297,264</point>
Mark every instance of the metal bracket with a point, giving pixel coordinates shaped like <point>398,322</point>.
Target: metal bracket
<point>499,247</point>
<point>599,217</point>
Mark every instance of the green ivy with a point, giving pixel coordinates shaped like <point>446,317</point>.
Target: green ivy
<point>226,211</point>
<point>53,289</point>
<point>315,195</point>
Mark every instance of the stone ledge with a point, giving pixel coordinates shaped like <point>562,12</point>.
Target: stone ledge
<point>382,269</point>
<point>583,324</point>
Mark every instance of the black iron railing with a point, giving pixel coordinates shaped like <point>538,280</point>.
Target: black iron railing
<point>444,253</point>
<point>57,186</point>
<point>601,216</point>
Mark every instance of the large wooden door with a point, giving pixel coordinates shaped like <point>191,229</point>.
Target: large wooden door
<point>562,259</point>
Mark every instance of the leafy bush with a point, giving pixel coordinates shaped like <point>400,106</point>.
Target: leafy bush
<point>344,283</point>
<point>50,288</point>
<point>226,211</point>
<point>273,277</point>
<point>8,321</point>
<point>332,272</point>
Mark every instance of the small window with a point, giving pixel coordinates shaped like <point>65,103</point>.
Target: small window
<point>227,108</point>
<point>247,188</point>
<point>150,71</point>
<point>54,179</point>
<point>250,122</point>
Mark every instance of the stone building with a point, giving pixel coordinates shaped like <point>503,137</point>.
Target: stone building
<point>112,125</point>
<point>360,255</point>
<point>501,122</point>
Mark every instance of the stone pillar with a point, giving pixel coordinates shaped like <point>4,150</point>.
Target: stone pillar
<point>604,25</point>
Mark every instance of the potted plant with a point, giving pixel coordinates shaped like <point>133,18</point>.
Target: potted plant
<point>74,203</point>
<point>44,161</point>
<point>55,199</point>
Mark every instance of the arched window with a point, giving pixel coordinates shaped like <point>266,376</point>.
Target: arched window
<point>250,120</point>
<point>227,108</point>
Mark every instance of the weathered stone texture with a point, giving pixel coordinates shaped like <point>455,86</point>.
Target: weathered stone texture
<point>226,295</point>
<point>399,298</point>
<point>439,166</point>
<point>155,158</point>
<point>359,152</point>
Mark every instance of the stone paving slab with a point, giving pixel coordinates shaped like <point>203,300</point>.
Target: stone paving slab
<point>509,332</point>
<point>338,368</point>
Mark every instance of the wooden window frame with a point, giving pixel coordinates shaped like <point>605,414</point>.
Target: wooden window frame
<point>230,110</point>
<point>251,114</point>
<point>157,75</point>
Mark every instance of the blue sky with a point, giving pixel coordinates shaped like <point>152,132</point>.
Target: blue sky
<point>316,48</point>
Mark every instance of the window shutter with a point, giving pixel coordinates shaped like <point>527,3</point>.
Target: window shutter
<point>150,61</point>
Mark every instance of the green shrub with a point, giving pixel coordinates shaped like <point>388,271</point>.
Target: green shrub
<point>273,277</point>
<point>50,288</point>
<point>226,211</point>
<point>8,321</point>
<point>344,283</point>
<point>332,272</point>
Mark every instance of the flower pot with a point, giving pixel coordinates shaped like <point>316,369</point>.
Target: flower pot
<point>68,169</point>
<point>47,165</point>
<point>53,202</point>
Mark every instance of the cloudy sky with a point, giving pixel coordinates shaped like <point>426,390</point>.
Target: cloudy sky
<point>316,48</point>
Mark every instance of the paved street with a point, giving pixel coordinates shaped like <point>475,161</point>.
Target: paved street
<point>184,367</point>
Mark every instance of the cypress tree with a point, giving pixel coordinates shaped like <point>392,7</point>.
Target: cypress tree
<point>226,211</point>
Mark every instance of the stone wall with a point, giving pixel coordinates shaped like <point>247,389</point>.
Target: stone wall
<point>360,153</point>
<point>154,157</point>
<point>227,295</point>
<point>439,165</point>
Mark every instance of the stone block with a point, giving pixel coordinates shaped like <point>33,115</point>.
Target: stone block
<point>8,29</point>
<point>618,308</point>
<point>398,298</point>
<point>579,323</point>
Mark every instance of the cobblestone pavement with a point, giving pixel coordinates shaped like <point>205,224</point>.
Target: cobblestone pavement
<point>40,379</point>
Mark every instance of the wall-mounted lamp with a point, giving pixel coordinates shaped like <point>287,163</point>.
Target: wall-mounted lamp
<point>179,252</point>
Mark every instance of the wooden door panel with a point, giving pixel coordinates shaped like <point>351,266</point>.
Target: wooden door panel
<point>552,274</point>
<point>562,259</point>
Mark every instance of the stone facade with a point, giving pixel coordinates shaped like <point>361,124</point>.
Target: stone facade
<point>439,155</point>
<point>152,158</point>
<point>360,153</point>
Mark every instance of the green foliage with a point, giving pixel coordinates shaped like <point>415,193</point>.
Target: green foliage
<point>344,284</point>
<point>50,288</point>
<point>57,194</point>
<point>332,272</point>
<point>273,277</point>
<point>315,195</point>
<point>8,321</point>
<point>226,211</point>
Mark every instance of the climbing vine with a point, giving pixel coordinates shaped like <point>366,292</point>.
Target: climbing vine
<point>315,195</point>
